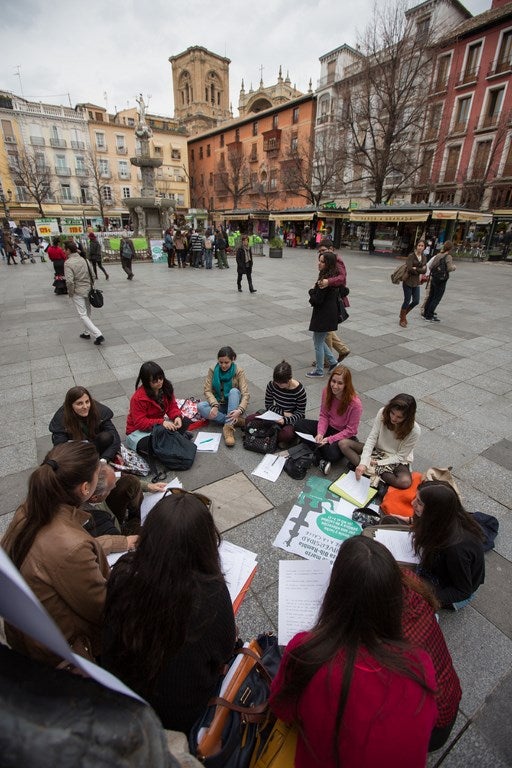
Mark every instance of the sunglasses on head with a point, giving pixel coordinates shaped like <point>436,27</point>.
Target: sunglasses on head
<point>181,492</point>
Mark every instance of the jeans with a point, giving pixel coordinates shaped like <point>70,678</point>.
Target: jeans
<point>411,296</point>
<point>436,294</point>
<point>208,258</point>
<point>322,350</point>
<point>204,408</point>
<point>83,308</point>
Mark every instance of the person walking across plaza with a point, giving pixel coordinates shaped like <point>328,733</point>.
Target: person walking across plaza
<point>244,264</point>
<point>95,255</point>
<point>416,265</point>
<point>78,281</point>
<point>325,314</point>
<point>220,249</point>
<point>440,270</point>
<point>332,339</point>
<point>127,253</point>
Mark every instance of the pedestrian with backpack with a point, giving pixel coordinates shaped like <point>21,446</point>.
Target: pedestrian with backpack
<point>440,270</point>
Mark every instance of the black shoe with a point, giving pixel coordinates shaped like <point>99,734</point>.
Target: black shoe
<point>324,466</point>
<point>99,340</point>
<point>239,290</point>
<point>253,290</point>
<point>85,336</point>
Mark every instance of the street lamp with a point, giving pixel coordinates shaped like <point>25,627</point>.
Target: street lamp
<point>5,200</point>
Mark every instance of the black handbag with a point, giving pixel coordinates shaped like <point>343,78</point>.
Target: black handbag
<point>95,296</point>
<point>172,449</point>
<point>247,720</point>
<point>261,436</point>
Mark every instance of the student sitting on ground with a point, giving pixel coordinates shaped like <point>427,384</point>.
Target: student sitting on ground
<point>285,396</point>
<point>388,450</point>
<point>340,414</point>
<point>359,695</point>
<point>449,543</point>
<point>169,624</point>
<point>227,394</point>
<point>65,566</point>
<point>83,418</point>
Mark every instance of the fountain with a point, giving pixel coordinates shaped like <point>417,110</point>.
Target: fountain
<point>150,215</point>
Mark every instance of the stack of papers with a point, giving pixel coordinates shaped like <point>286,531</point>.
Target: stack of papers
<point>270,467</point>
<point>150,499</point>
<point>208,441</point>
<point>302,586</point>
<point>239,568</point>
<point>358,492</point>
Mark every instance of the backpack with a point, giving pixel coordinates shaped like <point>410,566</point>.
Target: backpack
<point>261,436</point>
<point>172,449</point>
<point>439,273</point>
<point>301,457</point>
<point>220,243</point>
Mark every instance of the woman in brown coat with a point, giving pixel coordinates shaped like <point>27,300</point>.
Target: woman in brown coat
<point>416,265</point>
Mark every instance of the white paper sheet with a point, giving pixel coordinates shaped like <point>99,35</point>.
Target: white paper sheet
<point>208,441</point>
<point>302,585</point>
<point>237,565</point>
<point>357,489</point>
<point>270,467</point>
<point>150,499</point>
<point>270,416</point>
<point>399,544</point>
<point>20,607</point>
<point>304,436</point>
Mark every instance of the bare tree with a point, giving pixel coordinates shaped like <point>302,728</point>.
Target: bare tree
<point>385,101</point>
<point>97,182</point>
<point>33,175</point>
<point>316,168</point>
<point>234,177</point>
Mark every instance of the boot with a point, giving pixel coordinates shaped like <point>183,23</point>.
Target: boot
<point>403,319</point>
<point>228,432</point>
<point>408,309</point>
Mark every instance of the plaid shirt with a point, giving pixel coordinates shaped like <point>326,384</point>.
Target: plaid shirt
<point>422,629</point>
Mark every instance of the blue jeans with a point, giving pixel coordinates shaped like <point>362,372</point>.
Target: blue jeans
<point>321,350</point>
<point>411,296</point>
<point>204,408</point>
<point>208,258</point>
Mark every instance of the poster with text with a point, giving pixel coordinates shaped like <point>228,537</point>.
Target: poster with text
<point>318,523</point>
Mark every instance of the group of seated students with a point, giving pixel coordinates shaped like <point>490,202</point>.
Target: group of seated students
<point>162,619</point>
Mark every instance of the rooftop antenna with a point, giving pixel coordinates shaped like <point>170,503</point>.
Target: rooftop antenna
<point>18,75</point>
<point>105,97</point>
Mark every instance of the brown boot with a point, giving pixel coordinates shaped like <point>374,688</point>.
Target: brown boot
<point>343,355</point>
<point>228,432</point>
<point>403,319</point>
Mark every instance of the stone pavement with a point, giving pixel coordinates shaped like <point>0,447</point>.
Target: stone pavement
<point>460,371</point>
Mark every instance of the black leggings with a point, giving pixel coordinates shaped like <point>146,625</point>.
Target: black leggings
<point>103,442</point>
<point>331,451</point>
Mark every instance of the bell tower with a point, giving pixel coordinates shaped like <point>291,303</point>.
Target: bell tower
<point>201,89</point>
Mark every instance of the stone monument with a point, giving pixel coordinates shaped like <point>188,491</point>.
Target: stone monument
<point>150,215</point>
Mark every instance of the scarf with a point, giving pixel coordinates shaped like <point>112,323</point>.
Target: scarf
<point>222,382</point>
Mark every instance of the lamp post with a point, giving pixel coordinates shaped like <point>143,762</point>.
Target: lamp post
<point>5,200</point>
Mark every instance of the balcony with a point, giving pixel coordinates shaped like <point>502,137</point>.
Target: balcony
<point>58,143</point>
<point>499,67</point>
<point>469,76</point>
<point>122,150</point>
<point>81,172</point>
<point>69,200</point>
<point>42,169</point>
<point>101,148</point>
<point>253,158</point>
<point>109,203</point>
<point>440,85</point>
<point>62,170</point>
<point>9,140</point>
<point>37,141</point>
<point>124,175</point>
<point>78,145</point>
<point>489,121</point>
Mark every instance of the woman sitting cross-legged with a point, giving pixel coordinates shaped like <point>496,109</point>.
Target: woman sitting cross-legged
<point>360,695</point>
<point>388,450</point>
<point>286,397</point>
<point>152,403</point>
<point>227,394</point>
<point>83,418</point>
<point>449,543</point>
<point>169,624</point>
<point>340,414</point>
<point>65,566</point>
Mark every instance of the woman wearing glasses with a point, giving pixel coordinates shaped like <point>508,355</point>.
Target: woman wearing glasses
<point>169,624</point>
<point>153,402</point>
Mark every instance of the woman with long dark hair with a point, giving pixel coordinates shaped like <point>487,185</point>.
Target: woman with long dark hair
<point>226,394</point>
<point>449,543</point>
<point>325,314</point>
<point>360,695</point>
<point>153,402</point>
<point>340,414</point>
<point>63,565</point>
<point>169,624</point>
<point>416,266</point>
<point>83,418</point>
<point>388,450</point>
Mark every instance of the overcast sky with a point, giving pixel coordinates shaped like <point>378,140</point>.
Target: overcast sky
<point>107,51</point>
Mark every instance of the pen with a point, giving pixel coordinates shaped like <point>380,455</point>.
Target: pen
<point>210,440</point>
<point>276,458</point>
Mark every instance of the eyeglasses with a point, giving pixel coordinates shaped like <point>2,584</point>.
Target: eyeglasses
<point>181,492</point>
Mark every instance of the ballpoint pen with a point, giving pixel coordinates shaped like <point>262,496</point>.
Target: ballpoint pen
<point>210,440</point>
<point>276,458</point>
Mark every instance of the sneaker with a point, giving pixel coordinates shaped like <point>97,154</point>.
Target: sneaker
<point>314,374</point>
<point>85,336</point>
<point>228,432</point>
<point>333,366</point>
<point>435,319</point>
<point>324,466</point>
<point>99,340</point>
